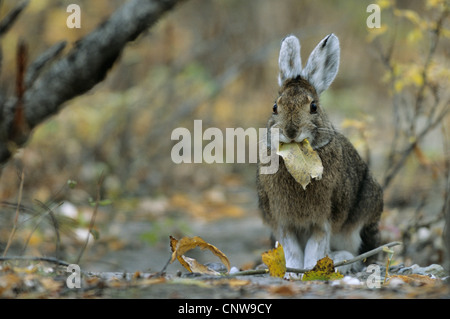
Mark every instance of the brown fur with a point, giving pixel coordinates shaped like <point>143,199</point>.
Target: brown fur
<point>347,197</point>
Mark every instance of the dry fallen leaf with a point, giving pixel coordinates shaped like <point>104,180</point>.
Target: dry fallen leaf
<point>283,290</point>
<point>8,283</point>
<point>51,285</point>
<point>301,161</point>
<point>180,247</point>
<point>414,279</point>
<point>274,259</point>
<point>232,283</point>
<point>195,266</point>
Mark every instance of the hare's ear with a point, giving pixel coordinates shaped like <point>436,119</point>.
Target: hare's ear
<point>289,62</point>
<point>323,63</point>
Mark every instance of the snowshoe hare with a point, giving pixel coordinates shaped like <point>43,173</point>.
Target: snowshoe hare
<point>338,214</point>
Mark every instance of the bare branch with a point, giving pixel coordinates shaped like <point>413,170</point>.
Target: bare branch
<point>36,67</point>
<point>82,68</point>
<point>91,58</point>
<point>92,222</point>
<point>48,259</point>
<point>394,169</point>
<point>8,21</point>
<point>414,109</point>
<point>16,218</point>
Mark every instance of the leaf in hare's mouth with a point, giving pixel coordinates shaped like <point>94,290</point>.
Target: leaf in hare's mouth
<point>301,161</point>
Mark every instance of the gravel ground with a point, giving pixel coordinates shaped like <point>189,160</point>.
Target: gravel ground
<point>130,272</point>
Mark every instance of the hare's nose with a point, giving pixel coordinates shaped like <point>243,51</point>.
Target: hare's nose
<point>291,132</point>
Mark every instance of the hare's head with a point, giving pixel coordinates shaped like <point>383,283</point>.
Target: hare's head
<point>297,111</point>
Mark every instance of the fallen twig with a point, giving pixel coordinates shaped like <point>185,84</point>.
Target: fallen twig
<point>250,272</point>
<point>367,254</point>
<point>338,264</point>
<point>163,270</point>
<point>92,222</point>
<point>8,21</point>
<point>32,258</point>
<point>46,259</point>
<point>55,223</point>
<point>16,218</point>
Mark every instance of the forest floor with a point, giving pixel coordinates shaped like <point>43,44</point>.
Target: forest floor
<point>134,247</point>
<point>242,239</point>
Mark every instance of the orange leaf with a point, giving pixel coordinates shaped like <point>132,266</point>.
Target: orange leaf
<point>180,247</point>
<point>173,247</point>
<point>195,266</point>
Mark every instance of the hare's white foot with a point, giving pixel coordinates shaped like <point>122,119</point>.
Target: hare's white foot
<point>293,253</point>
<point>317,246</point>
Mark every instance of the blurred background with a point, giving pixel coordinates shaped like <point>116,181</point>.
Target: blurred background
<point>217,61</point>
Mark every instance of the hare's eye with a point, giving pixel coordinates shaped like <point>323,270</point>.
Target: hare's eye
<point>275,108</point>
<point>313,107</point>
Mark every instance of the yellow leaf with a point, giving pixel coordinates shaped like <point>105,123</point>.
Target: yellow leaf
<point>323,270</point>
<point>180,247</point>
<point>384,4</point>
<point>398,86</point>
<point>415,35</point>
<point>417,79</point>
<point>445,33</point>
<point>301,161</point>
<point>29,270</point>
<point>274,259</point>
<point>411,15</point>
<point>434,3</point>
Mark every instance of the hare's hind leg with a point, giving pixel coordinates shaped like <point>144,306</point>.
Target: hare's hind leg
<point>292,249</point>
<point>370,206</point>
<point>370,236</point>
<point>317,246</point>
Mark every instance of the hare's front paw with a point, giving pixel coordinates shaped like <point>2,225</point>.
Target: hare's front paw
<point>292,252</point>
<point>292,276</point>
<point>317,247</point>
<point>293,263</point>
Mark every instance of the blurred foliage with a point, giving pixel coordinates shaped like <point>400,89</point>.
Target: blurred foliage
<point>216,61</point>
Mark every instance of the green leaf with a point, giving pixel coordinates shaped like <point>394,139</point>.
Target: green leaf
<point>95,233</point>
<point>103,202</point>
<point>71,183</point>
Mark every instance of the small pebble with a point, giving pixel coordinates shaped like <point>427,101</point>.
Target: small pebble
<point>434,270</point>
<point>234,270</point>
<point>351,281</point>
<point>347,280</point>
